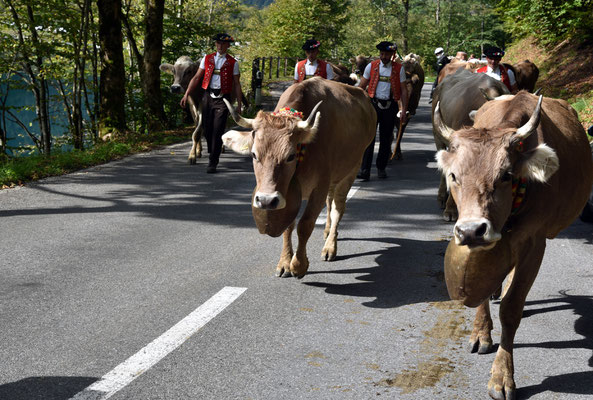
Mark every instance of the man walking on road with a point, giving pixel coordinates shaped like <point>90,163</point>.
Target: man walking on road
<point>384,80</point>
<point>220,73</point>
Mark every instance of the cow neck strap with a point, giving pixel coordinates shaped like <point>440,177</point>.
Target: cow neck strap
<point>519,188</point>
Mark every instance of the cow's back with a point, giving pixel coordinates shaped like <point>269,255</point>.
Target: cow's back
<point>460,93</point>
<point>553,205</point>
<point>347,125</point>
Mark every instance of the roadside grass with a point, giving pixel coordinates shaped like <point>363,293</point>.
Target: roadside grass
<point>17,171</point>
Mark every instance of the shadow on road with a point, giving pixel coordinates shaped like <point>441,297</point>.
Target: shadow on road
<point>576,382</point>
<point>45,387</point>
<point>406,272</point>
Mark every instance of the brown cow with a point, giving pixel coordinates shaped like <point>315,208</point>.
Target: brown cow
<point>314,160</point>
<point>183,70</point>
<point>457,96</point>
<point>526,74</point>
<point>455,65</point>
<point>519,176</point>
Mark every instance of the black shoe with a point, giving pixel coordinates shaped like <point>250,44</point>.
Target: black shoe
<point>382,174</point>
<point>211,169</point>
<point>364,174</point>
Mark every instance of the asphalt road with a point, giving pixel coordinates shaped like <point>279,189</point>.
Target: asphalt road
<point>96,266</point>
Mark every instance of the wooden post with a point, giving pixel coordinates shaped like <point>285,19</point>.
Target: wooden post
<point>263,66</point>
<point>277,67</point>
<point>270,73</point>
<point>285,65</point>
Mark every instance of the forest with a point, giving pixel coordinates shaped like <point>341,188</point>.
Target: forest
<point>90,69</point>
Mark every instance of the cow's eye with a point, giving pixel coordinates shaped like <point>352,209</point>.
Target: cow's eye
<point>507,176</point>
<point>253,156</point>
<point>290,158</point>
<point>453,178</point>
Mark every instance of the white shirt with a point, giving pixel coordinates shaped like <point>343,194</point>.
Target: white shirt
<point>310,68</point>
<point>383,91</point>
<point>219,60</point>
<point>496,74</point>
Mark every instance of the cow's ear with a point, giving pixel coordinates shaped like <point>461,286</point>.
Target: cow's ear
<point>238,141</point>
<point>540,163</point>
<point>442,161</point>
<point>168,68</point>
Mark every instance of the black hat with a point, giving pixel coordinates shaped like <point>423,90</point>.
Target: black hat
<point>223,37</point>
<point>387,46</point>
<point>493,52</point>
<point>311,44</point>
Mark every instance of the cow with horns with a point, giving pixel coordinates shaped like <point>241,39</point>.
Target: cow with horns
<point>519,175</point>
<point>314,159</point>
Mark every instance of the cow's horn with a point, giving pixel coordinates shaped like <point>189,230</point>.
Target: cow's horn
<point>486,95</point>
<point>244,122</point>
<point>531,125</point>
<point>538,91</point>
<point>443,129</point>
<point>313,116</point>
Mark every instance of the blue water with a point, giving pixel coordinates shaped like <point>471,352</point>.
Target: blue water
<point>16,97</point>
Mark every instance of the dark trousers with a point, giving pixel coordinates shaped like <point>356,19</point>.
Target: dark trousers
<point>386,120</point>
<point>214,114</point>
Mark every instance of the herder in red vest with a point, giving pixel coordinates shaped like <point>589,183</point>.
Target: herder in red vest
<point>498,71</point>
<point>312,66</point>
<point>221,78</point>
<point>384,81</point>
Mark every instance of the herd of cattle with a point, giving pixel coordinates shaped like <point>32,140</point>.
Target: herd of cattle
<point>516,170</point>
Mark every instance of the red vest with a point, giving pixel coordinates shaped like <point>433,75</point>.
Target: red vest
<point>226,73</point>
<point>504,76</point>
<point>321,69</point>
<point>393,79</point>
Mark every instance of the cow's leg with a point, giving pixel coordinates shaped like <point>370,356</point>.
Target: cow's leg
<point>196,148</point>
<point>450,213</point>
<point>330,249</point>
<point>502,385</point>
<point>283,267</point>
<point>480,339</point>
<point>300,262</point>
<point>328,206</point>
<point>443,194</point>
<point>196,136</point>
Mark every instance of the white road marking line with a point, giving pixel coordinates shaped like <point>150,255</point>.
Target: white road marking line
<point>159,348</point>
<point>323,216</point>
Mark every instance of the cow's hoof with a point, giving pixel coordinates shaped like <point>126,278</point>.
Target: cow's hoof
<point>283,273</point>
<point>398,156</point>
<point>499,394</point>
<point>449,216</point>
<point>481,347</point>
<point>199,155</point>
<point>328,254</point>
<point>191,161</point>
<point>298,269</point>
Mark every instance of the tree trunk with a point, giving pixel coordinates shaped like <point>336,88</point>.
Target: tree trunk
<point>112,82</point>
<point>153,51</point>
<point>406,4</point>
<point>438,13</point>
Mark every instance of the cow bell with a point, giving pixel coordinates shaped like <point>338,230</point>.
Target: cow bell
<point>472,276</point>
<point>274,222</point>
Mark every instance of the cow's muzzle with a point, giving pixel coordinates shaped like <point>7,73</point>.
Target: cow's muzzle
<point>176,89</point>
<point>475,233</point>
<point>269,201</point>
